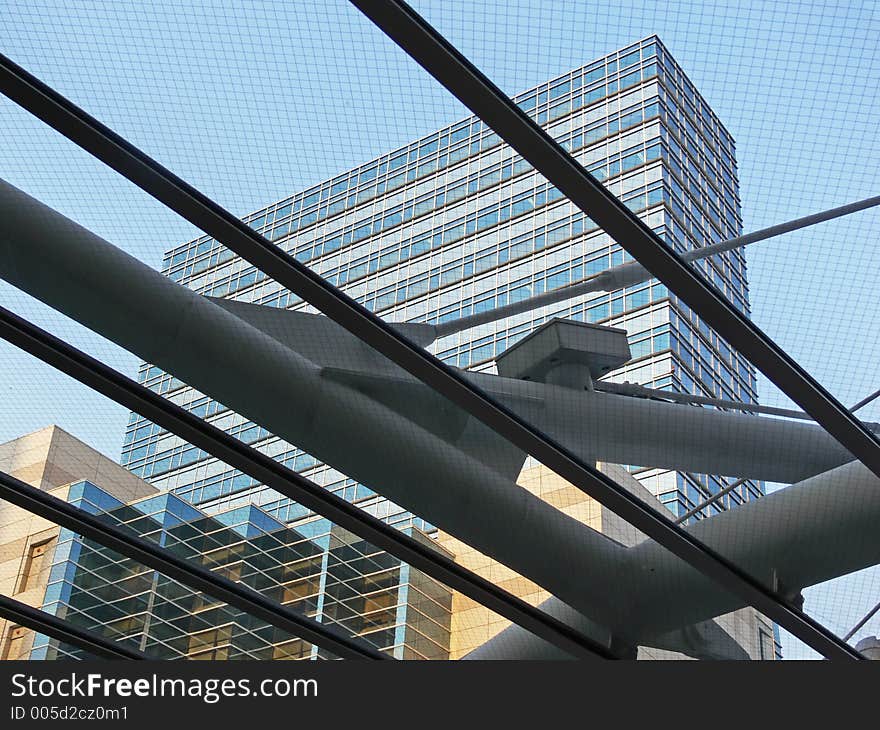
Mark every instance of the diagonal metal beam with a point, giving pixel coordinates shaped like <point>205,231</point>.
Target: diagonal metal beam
<point>476,91</point>
<point>780,228</point>
<point>84,130</point>
<point>640,391</point>
<point>632,272</point>
<point>866,400</point>
<point>177,420</point>
<point>867,617</point>
<point>733,485</point>
<point>470,86</point>
<point>187,572</point>
<point>45,623</point>
<point>709,501</point>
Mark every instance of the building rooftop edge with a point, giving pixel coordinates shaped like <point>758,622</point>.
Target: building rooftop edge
<point>470,119</point>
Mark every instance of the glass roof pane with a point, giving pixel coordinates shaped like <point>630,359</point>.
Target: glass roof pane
<point>337,146</point>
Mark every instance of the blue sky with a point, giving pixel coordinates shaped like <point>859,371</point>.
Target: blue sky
<point>252,101</point>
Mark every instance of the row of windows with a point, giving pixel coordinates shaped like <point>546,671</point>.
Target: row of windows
<point>389,181</point>
<point>176,630</point>
<point>424,148</point>
<point>727,270</point>
<point>522,204</point>
<point>454,191</point>
<point>715,378</point>
<point>247,534</point>
<point>545,237</point>
<point>580,78</point>
<point>575,101</point>
<point>695,488</point>
<point>231,482</point>
<point>184,455</point>
<point>709,169</point>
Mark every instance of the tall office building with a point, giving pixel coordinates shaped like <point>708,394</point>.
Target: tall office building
<point>457,223</point>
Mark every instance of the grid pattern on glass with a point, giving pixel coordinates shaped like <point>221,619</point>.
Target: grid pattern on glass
<point>323,571</point>
<point>435,239</point>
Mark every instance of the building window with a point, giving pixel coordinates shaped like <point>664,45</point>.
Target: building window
<point>14,648</point>
<point>37,559</point>
<point>766,645</point>
<point>212,644</point>
<point>292,650</point>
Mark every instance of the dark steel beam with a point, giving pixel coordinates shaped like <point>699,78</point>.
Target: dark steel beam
<point>78,126</point>
<point>187,572</point>
<point>476,91</point>
<point>56,628</point>
<point>268,471</point>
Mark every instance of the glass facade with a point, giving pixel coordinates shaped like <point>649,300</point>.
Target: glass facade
<point>332,576</point>
<point>457,223</point>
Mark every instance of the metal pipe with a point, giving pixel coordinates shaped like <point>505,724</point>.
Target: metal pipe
<point>730,487</point>
<point>270,472</point>
<point>710,500</point>
<point>183,333</point>
<point>643,392</point>
<point>780,228</point>
<point>866,400</point>
<point>813,531</point>
<point>632,272</point>
<point>867,617</point>
<point>180,331</point>
<point>621,429</point>
<point>585,191</point>
<point>475,90</point>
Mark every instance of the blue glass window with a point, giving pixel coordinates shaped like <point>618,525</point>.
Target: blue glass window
<point>527,104</point>
<point>629,59</point>
<point>560,110</point>
<point>560,89</point>
<point>459,134</point>
<point>594,75</point>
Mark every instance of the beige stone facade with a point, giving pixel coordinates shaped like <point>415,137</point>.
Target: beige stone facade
<point>50,459</point>
<point>473,625</point>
